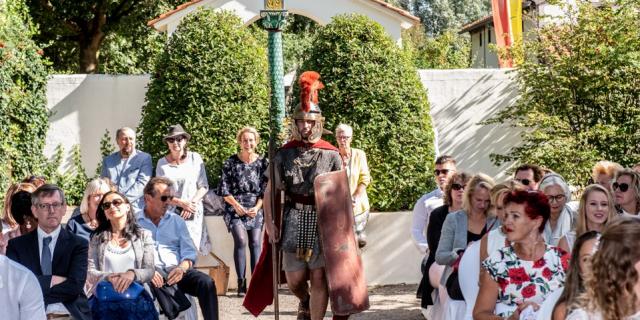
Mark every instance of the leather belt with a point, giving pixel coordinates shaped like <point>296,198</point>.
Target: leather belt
<point>302,199</point>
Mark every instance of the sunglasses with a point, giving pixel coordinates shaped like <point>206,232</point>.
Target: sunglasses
<point>441,171</point>
<point>622,186</point>
<point>165,198</point>
<point>116,203</point>
<point>178,139</point>
<point>457,186</point>
<point>525,182</point>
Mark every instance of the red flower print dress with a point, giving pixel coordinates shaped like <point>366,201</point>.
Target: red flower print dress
<point>520,280</point>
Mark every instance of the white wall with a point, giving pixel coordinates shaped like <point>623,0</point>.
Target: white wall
<point>460,99</point>
<point>83,106</point>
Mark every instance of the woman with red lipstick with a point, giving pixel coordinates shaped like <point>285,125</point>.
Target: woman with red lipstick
<point>519,277</point>
<point>595,211</point>
<point>462,227</point>
<point>626,190</point>
<point>496,238</point>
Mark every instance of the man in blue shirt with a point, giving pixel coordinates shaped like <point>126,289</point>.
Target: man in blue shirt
<point>175,252</point>
<point>129,169</point>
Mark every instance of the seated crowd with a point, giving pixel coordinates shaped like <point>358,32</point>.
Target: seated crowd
<point>523,249</point>
<point>125,253</point>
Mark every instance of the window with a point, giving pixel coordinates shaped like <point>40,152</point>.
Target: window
<point>489,31</point>
<point>480,34</point>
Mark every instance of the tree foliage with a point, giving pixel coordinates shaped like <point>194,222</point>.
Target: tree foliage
<point>448,50</point>
<point>77,35</point>
<point>372,85</point>
<point>580,92</point>
<point>438,16</point>
<point>23,80</point>
<point>212,79</point>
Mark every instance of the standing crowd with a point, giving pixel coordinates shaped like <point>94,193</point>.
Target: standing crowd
<point>522,249</point>
<point>128,250</point>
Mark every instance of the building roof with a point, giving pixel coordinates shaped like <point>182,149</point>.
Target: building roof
<point>193,2</point>
<point>471,26</point>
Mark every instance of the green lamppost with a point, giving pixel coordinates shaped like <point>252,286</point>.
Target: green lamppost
<point>273,19</point>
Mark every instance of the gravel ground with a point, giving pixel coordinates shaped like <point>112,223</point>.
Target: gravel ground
<point>392,302</point>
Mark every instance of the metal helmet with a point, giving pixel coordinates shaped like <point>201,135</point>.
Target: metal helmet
<point>308,108</point>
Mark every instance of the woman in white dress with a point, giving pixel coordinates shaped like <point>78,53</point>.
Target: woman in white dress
<point>186,169</point>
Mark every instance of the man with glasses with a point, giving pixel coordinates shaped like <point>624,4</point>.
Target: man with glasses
<point>175,252</point>
<point>57,257</point>
<point>529,175</point>
<point>445,167</point>
<point>128,168</point>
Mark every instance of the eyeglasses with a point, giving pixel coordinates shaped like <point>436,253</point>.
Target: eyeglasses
<point>176,139</point>
<point>116,203</point>
<point>622,186</point>
<point>49,206</point>
<point>556,198</point>
<point>457,186</point>
<point>525,182</point>
<point>441,171</point>
<point>165,198</point>
<point>96,195</point>
<point>344,137</point>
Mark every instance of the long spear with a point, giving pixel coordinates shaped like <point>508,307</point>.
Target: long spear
<point>273,20</point>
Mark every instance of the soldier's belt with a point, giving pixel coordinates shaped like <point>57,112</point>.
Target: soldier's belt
<point>302,199</point>
<point>301,207</point>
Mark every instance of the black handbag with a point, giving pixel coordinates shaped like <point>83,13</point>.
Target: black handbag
<point>172,301</point>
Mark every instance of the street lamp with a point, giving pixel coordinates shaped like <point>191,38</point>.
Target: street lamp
<point>273,19</point>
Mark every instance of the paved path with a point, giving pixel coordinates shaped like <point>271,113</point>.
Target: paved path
<point>396,302</point>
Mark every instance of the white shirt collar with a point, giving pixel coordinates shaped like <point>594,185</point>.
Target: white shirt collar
<point>54,234</point>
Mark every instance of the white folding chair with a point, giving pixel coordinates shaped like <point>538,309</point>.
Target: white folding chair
<point>546,309</point>
<point>468,276</point>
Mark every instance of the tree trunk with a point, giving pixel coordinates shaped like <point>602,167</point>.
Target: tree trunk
<point>89,50</point>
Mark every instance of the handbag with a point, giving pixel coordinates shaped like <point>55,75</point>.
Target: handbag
<point>172,301</point>
<point>218,273</point>
<point>452,284</point>
<point>132,304</point>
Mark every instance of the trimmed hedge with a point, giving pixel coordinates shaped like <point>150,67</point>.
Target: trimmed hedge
<point>372,85</point>
<point>211,79</point>
<point>23,81</point>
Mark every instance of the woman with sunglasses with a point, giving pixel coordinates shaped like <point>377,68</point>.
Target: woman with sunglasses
<point>186,169</point>
<point>596,210</point>
<point>562,211</point>
<point>626,190</point>
<point>453,200</point>
<point>242,186</point>
<point>121,253</point>
<point>84,218</point>
<point>463,227</point>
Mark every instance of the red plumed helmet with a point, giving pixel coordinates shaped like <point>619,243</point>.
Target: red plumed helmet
<point>309,86</point>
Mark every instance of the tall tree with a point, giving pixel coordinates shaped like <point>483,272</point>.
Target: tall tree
<point>438,16</point>
<point>76,30</point>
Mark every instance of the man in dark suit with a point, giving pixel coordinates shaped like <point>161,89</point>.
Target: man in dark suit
<point>57,257</point>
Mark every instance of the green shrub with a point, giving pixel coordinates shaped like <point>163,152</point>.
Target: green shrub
<point>23,80</point>
<point>212,79</point>
<point>372,85</point>
<point>580,93</point>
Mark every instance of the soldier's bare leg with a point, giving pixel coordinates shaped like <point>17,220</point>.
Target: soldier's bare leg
<point>297,283</point>
<point>319,294</point>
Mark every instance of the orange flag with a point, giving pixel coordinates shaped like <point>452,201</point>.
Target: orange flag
<point>502,23</point>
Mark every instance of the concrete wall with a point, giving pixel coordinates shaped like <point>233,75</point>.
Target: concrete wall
<point>84,106</point>
<point>390,256</point>
<point>460,99</point>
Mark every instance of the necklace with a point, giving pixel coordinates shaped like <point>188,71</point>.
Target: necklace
<point>521,252</point>
<point>92,223</point>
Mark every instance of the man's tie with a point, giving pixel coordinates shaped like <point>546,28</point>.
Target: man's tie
<point>45,260</point>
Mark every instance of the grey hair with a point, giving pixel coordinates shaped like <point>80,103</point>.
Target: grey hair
<point>123,129</point>
<point>554,179</point>
<point>344,128</point>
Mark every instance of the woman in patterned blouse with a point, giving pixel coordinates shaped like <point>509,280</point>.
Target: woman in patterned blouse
<point>519,277</point>
<point>242,186</point>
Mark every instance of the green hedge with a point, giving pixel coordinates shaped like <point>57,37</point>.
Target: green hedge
<point>212,79</point>
<point>372,85</point>
<point>23,80</point>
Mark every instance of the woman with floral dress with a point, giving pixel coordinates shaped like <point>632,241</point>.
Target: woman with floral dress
<point>242,186</point>
<point>519,277</point>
